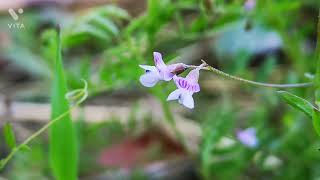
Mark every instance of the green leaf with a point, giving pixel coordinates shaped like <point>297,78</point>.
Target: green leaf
<point>298,103</point>
<point>9,135</point>
<point>20,55</point>
<point>316,121</point>
<point>2,163</point>
<point>25,148</point>
<point>98,27</point>
<point>317,53</point>
<point>63,145</point>
<point>115,12</point>
<point>106,25</point>
<point>217,124</point>
<point>92,31</point>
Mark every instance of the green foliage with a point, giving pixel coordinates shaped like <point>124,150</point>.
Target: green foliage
<point>298,103</point>
<point>158,14</point>
<point>189,30</point>
<point>316,114</point>
<point>99,27</point>
<point>9,135</point>
<point>20,55</point>
<point>31,164</point>
<point>218,124</point>
<point>63,145</point>
<point>316,121</point>
<point>123,58</point>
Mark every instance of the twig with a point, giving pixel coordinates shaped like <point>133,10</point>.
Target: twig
<point>223,74</point>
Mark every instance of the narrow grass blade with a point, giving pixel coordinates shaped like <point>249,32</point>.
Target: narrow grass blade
<point>63,146</point>
<point>316,121</point>
<point>9,135</point>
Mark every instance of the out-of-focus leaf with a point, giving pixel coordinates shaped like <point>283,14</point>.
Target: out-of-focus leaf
<point>105,24</point>
<point>158,14</point>
<point>217,125</point>
<point>2,164</point>
<point>261,40</point>
<point>297,102</point>
<point>27,60</point>
<point>115,12</point>
<point>316,121</point>
<point>95,32</point>
<point>9,135</point>
<point>63,145</point>
<point>266,69</point>
<point>25,148</point>
<point>100,24</point>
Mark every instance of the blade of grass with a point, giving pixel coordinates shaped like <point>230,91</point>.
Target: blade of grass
<point>317,78</point>
<point>9,135</point>
<point>316,115</point>
<point>63,145</point>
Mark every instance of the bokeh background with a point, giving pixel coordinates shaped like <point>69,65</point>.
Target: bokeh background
<point>127,131</point>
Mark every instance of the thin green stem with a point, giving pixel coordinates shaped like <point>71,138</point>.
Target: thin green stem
<point>36,134</point>
<point>223,74</point>
<point>317,78</point>
<point>318,43</point>
<point>212,69</point>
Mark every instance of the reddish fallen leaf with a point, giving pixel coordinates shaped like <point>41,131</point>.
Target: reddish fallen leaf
<point>133,152</point>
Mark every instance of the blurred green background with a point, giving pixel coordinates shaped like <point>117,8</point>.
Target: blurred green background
<point>127,131</point>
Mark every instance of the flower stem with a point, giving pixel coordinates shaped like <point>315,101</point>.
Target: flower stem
<point>226,75</point>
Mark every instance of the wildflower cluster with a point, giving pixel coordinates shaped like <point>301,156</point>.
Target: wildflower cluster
<point>186,87</point>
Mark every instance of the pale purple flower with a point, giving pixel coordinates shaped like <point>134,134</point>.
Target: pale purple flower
<point>186,87</point>
<point>160,71</point>
<point>248,137</point>
<point>249,5</point>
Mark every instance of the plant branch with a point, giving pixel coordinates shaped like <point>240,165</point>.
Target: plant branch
<point>77,93</point>
<point>223,74</point>
<point>4,161</point>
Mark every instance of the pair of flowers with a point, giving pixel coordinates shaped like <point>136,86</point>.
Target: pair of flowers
<point>186,87</point>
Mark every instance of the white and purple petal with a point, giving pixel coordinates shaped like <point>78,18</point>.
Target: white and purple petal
<point>148,68</point>
<point>186,99</point>
<point>165,74</point>
<point>174,95</point>
<point>193,75</point>
<point>183,83</point>
<point>157,57</point>
<point>151,77</point>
